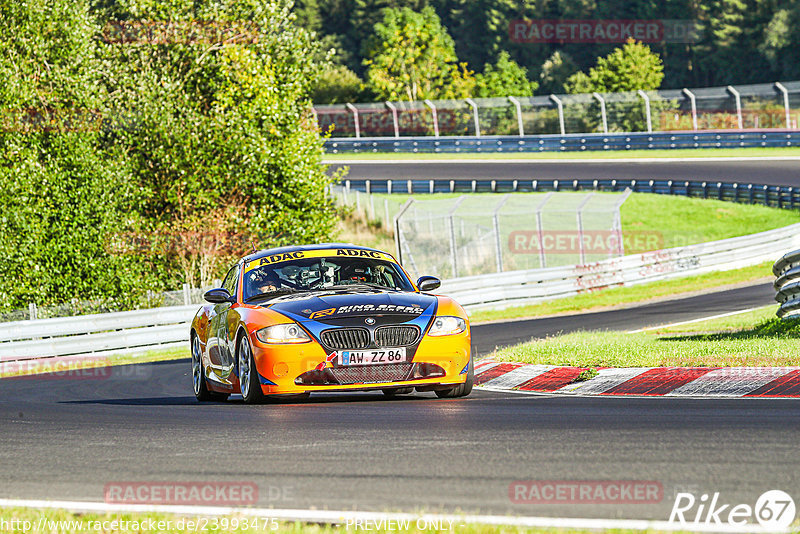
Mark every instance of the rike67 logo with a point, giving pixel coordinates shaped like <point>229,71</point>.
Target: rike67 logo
<point>774,509</point>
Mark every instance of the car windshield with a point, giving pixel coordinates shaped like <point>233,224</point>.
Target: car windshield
<point>281,274</point>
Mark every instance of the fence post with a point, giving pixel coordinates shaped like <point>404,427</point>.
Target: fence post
<point>738,99</point>
<point>693,102</point>
<point>32,311</point>
<point>579,214</point>
<point>353,109</point>
<point>452,229</point>
<point>498,242</point>
<point>186,297</point>
<point>602,111</point>
<point>785,92</point>
<point>386,213</point>
<point>519,114</point>
<point>435,117</point>
<point>475,116</point>
<point>560,105</point>
<point>647,110</point>
<point>540,230</point>
<point>394,118</point>
<point>397,237</point>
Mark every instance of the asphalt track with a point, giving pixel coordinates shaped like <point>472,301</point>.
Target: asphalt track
<point>68,438</point>
<point>769,172</point>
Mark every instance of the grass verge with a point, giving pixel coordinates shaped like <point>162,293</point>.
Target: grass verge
<point>735,341</point>
<point>621,296</point>
<point>589,154</point>
<point>59,521</point>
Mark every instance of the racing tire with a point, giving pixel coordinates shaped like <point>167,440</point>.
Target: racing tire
<point>201,391</point>
<point>393,392</point>
<point>461,390</point>
<point>249,384</point>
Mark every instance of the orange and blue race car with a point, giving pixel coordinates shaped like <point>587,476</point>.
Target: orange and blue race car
<point>333,317</point>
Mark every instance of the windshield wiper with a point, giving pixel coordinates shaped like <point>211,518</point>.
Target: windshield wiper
<point>272,294</point>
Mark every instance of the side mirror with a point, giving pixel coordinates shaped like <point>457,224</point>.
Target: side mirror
<point>428,283</point>
<point>218,296</point>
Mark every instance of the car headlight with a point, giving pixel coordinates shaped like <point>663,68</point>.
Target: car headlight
<point>283,333</point>
<point>447,326</point>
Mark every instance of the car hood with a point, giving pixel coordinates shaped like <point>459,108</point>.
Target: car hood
<point>337,307</point>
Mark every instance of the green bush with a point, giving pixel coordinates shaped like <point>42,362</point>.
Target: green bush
<point>206,145</point>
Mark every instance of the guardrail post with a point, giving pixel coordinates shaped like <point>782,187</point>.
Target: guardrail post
<point>353,109</point>
<point>497,240</point>
<point>560,105</point>
<point>186,297</point>
<point>602,111</point>
<point>782,89</point>
<point>32,311</point>
<point>751,193</point>
<point>647,110</point>
<point>694,107</point>
<point>475,116</point>
<point>435,117</point>
<point>394,118</point>
<point>519,114</point>
<point>738,99</point>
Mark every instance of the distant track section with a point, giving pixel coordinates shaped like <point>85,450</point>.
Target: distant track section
<point>766,171</point>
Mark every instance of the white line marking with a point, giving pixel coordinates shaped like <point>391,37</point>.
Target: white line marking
<point>341,517</point>
<point>517,376</point>
<point>700,320</point>
<point>605,380</point>
<point>556,161</point>
<point>730,382</point>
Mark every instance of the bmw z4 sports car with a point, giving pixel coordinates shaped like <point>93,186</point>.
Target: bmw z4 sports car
<point>334,317</point>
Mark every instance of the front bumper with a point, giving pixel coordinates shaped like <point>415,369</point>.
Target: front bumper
<point>287,369</point>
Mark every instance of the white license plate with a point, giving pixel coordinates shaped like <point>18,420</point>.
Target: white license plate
<point>370,357</point>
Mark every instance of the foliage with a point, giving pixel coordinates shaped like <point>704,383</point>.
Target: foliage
<point>555,71</point>
<point>338,84</point>
<point>629,68</point>
<point>63,192</point>
<point>412,57</point>
<point>207,145</point>
<point>504,78</point>
<point>732,35</point>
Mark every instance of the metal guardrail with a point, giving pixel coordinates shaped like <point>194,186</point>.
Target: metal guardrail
<point>98,334</point>
<point>566,143</point>
<point>768,195</point>
<point>142,330</point>
<point>497,291</point>
<point>787,284</point>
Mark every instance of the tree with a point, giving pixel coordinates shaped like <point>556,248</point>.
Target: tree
<point>555,72</point>
<point>64,193</point>
<point>224,146</point>
<point>337,84</point>
<point>504,78</point>
<point>411,56</point>
<point>629,68</point>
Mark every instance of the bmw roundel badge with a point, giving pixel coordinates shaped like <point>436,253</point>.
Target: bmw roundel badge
<point>369,320</point>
